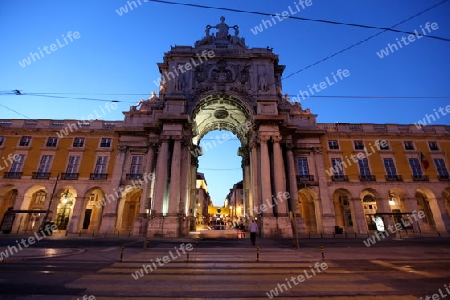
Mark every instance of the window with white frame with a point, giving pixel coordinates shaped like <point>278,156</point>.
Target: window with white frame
<point>74,162</point>
<point>389,166</point>
<point>39,197</point>
<point>51,141</point>
<point>25,141</point>
<point>415,166</point>
<point>302,163</point>
<point>384,145</point>
<point>45,163</point>
<point>136,164</point>
<point>105,142</point>
<point>440,166</point>
<point>359,145</point>
<point>101,165</point>
<point>336,164</point>
<point>364,167</point>
<point>433,146</point>
<point>409,145</point>
<point>78,142</point>
<point>333,145</point>
<point>17,163</point>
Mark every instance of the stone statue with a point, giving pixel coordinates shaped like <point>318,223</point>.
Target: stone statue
<point>222,29</point>
<point>263,83</point>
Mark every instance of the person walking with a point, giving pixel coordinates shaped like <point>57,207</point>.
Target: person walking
<point>253,228</point>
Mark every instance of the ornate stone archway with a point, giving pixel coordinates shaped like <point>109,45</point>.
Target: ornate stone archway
<point>219,83</point>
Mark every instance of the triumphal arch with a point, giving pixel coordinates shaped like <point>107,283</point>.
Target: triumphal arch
<point>219,83</point>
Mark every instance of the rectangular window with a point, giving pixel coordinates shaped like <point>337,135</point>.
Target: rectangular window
<point>364,166</point>
<point>389,166</point>
<point>440,166</point>
<point>2,140</point>
<point>302,163</point>
<point>44,165</point>
<point>409,145</point>
<point>17,163</point>
<point>105,142</point>
<point>25,141</point>
<point>359,145</point>
<point>338,169</point>
<point>333,145</point>
<point>74,162</point>
<point>384,145</point>
<point>101,165</point>
<point>51,142</point>
<point>78,142</point>
<point>433,146</point>
<point>415,166</point>
<point>136,164</point>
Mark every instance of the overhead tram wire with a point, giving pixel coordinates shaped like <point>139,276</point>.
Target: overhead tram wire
<point>46,126</point>
<point>304,19</point>
<point>361,41</point>
<point>290,95</point>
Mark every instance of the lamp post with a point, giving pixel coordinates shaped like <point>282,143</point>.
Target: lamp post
<point>44,220</point>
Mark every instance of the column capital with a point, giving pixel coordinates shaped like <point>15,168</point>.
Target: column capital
<point>122,148</point>
<point>262,139</point>
<point>277,139</point>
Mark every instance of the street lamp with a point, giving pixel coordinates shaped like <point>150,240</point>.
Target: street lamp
<point>44,220</point>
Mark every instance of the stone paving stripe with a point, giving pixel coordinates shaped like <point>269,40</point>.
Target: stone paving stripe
<point>404,269</point>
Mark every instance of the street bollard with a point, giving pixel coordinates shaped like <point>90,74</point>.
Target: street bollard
<point>322,250</point>
<point>121,253</point>
<point>257,253</point>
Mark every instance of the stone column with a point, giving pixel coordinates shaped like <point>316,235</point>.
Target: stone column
<point>383,207</point>
<point>280,178</point>
<point>76,222</point>
<point>328,219</point>
<point>140,222</point>
<point>255,206</point>
<point>359,219</point>
<point>174,195</point>
<point>266,193</point>
<point>109,214</point>
<point>293,189</point>
<point>161,177</point>
<point>441,218</point>
<point>410,206</point>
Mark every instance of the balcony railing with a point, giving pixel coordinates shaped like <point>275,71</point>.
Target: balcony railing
<point>443,177</point>
<point>367,178</point>
<point>420,178</point>
<point>132,176</point>
<point>303,178</point>
<point>69,176</point>
<point>339,178</point>
<point>40,175</point>
<point>394,178</point>
<point>12,175</point>
<point>98,176</point>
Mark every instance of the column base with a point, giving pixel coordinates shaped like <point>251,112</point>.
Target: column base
<point>276,227</point>
<point>108,224</point>
<point>328,223</point>
<point>167,227</point>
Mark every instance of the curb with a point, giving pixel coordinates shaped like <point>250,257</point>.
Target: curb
<point>18,259</point>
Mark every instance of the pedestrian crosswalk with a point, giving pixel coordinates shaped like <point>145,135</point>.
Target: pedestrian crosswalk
<point>229,273</point>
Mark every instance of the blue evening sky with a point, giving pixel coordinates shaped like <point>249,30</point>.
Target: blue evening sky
<point>116,55</point>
